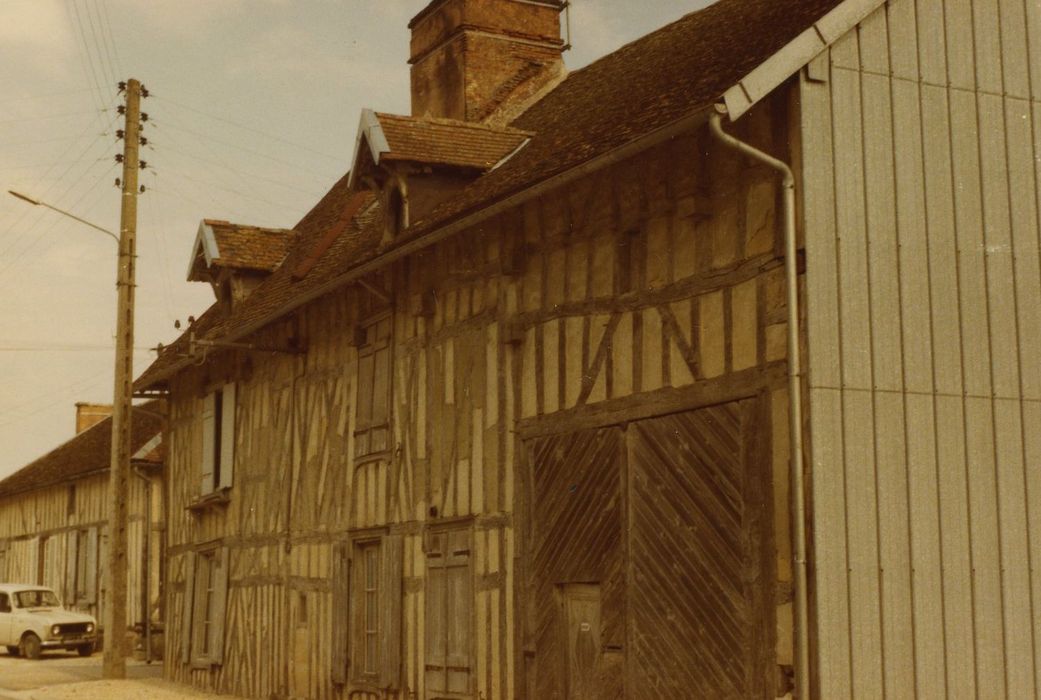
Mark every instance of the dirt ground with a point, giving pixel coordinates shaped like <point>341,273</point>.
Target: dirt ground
<point>59,676</point>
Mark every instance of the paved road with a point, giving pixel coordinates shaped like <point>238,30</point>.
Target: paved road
<point>17,676</point>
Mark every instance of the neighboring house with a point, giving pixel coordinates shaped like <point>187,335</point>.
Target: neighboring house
<point>54,515</point>
<point>511,417</point>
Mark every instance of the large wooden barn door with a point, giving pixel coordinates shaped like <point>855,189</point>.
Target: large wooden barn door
<point>653,559</point>
<point>701,607</point>
<point>578,564</point>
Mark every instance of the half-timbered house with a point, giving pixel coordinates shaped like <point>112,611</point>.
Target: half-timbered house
<point>54,516</point>
<point>511,417</point>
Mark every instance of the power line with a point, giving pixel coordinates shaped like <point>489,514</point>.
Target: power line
<point>248,128</point>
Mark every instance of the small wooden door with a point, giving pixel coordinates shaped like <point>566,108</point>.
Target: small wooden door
<point>581,612</point>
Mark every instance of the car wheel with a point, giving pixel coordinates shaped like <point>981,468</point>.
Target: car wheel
<point>85,649</point>
<point>13,651</point>
<point>31,646</point>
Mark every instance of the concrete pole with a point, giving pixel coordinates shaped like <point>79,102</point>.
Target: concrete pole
<point>115,617</point>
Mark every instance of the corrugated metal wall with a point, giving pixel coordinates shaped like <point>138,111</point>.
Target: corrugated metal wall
<point>921,173</point>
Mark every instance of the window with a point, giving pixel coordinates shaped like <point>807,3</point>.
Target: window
<point>5,603</point>
<point>367,587</point>
<point>206,588</point>
<point>218,439</point>
<point>449,602</point>
<point>372,422</point>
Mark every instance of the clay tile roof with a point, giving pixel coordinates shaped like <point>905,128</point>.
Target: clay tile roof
<point>447,142</point>
<point>651,83</point>
<point>86,453</point>
<point>250,247</point>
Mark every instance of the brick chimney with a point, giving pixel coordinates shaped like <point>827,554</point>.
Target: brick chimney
<point>483,60</point>
<point>88,414</point>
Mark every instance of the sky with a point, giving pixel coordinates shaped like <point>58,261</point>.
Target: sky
<point>253,110</point>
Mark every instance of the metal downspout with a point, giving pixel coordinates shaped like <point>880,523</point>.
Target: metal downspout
<point>798,503</point>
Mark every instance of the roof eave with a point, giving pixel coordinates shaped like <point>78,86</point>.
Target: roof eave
<point>768,75</point>
<point>487,210</point>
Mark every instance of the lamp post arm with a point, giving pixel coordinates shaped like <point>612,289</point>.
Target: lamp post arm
<point>38,203</point>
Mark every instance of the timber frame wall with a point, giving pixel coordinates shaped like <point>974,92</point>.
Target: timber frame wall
<point>39,529</point>
<point>652,287</point>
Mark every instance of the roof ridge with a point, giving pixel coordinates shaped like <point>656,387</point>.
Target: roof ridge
<point>443,121</point>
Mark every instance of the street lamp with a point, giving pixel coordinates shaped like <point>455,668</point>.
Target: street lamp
<point>114,619</point>
<point>38,203</point>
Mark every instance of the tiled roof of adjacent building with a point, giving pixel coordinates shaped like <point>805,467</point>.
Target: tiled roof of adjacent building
<point>88,452</point>
<point>447,142</point>
<point>656,81</point>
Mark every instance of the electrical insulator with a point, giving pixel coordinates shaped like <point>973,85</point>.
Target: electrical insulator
<point>119,183</point>
<point>144,91</point>
<point>144,116</point>
<point>119,157</point>
<point>142,189</point>
<point>120,133</point>
<point>122,109</point>
<point>143,164</point>
<point>144,141</point>
<point>122,85</point>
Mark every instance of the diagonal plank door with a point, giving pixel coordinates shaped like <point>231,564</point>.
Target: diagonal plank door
<point>700,593</point>
<point>577,529</point>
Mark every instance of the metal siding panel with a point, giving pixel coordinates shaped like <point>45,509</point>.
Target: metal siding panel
<point>832,613</point>
<point>1032,458</point>
<point>1004,346</point>
<point>865,627</point>
<point>1025,243</point>
<point>932,54</point>
<point>913,241</point>
<point>1015,549</point>
<point>960,67</point>
<point>855,321</point>
<point>943,256</point>
<point>926,555</point>
<point>887,363</point>
<point>1033,29</point>
<point>969,225</point>
<point>874,42</point>
<point>987,42</point>
<point>955,544</point>
<point>985,545</point>
<point>819,221</point>
<point>903,39</point>
<point>1014,63</point>
<point>898,618</point>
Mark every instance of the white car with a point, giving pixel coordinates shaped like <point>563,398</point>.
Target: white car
<point>32,620</point>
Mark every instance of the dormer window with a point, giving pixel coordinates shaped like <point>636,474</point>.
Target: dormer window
<point>396,215</point>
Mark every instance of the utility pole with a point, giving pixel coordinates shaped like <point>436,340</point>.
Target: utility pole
<point>115,617</point>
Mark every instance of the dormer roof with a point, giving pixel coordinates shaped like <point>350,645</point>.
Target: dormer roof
<point>386,138</point>
<point>224,245</point>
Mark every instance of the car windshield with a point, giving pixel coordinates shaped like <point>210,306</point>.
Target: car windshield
<point>37,599</point>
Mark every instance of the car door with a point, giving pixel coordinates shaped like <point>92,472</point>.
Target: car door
<point>5,620</point>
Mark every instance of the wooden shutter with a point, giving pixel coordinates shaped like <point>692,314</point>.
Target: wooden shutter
<point>392,555</point>
<point>93,570</point>
<point>449,604</point>
<point>341,620</point>
<point>188,608</point>
<point>222,563</point>
<point>227,436</point>
<point>71,542</point>
<point>208,441</point>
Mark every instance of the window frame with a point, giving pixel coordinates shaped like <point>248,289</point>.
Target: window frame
<point>463,529</point>
<point>367,425</point>
<point>362,546</point>
<point>220,407</point>
<point>205,615</point>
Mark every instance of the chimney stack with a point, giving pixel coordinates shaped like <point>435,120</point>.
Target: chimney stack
<point>89,414</point>
<point>483,60</point>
